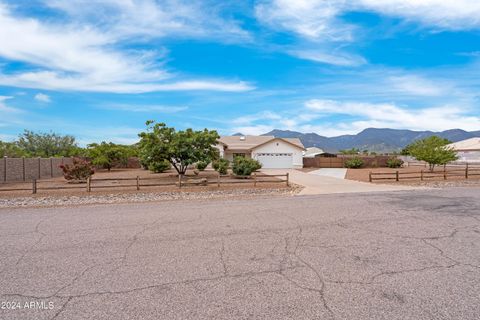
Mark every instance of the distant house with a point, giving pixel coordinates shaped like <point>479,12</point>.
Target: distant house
<point>312,152</point>
<point>467,150</point>
<point>271,152</point>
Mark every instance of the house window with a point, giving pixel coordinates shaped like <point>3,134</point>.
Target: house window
<point>238,155</point>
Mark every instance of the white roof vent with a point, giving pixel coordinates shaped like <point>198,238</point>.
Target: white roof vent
<point>242,138</point>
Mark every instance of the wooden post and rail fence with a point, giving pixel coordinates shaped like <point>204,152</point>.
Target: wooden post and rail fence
<point>398,175</point>
<point>92,183</point>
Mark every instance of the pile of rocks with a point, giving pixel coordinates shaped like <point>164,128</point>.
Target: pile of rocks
<point>51,201</point>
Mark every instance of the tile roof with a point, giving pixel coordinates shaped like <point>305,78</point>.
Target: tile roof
<point>250,142</point>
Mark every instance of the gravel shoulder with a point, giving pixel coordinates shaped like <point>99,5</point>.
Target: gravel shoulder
<point>138,197</point>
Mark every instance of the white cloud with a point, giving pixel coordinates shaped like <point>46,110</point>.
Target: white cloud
<point>252,130</point>
<point>81,56</point>
<point>6,109</point>
<point>416,85</point>
<point>339,59</point>
<point>307,18</point>
<point>155,18</point>
<point>332,118</point>
<point>42,97</point>
<point>365,115</point>
<point>321,19</point>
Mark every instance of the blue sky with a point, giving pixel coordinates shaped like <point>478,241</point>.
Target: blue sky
<point>99,69</point>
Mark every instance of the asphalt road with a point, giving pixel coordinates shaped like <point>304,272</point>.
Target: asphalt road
<point>399,255</point>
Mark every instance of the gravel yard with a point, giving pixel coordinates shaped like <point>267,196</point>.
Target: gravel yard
<point>134,197</point>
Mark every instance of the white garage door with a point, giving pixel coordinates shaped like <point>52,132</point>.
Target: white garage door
<point>275,160</point>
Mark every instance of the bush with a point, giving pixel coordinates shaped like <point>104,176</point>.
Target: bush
<point>220,165</point>
<point>394,163</point>
<point>201,165</point>
<point>159,166</point>
<point>244,167</point>
<point>354,163</point>
<point>79,170</point>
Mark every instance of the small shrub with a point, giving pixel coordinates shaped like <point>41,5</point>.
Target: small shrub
<point>244,167</point>
<point>354,163</point>
<point>79,170</point>
<point>394,163</point>
<point>159,166</point>
<point>221,165</point>
<point>201,165</point>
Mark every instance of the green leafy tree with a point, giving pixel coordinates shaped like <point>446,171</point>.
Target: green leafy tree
<point>181,148</point>
<point>432,150</point>
<point>10,149</point>
<point>160,166</point>
<point>107,155</point>
<point>47,145</point>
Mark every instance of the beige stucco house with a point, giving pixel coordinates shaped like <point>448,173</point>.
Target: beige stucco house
<point>271,152</point>
<point>467,150</point>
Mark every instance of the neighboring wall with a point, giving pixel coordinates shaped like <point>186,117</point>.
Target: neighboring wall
<point>339,161</point>
<point>25,169</point>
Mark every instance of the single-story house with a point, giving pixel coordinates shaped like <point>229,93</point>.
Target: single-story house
<point>270,151</point>
<point>467,150</point>
<point>312,152</point>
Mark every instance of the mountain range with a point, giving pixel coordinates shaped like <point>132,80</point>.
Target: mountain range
<point>372,139</point>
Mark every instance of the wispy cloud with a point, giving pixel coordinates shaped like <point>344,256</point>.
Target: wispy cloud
<point>366,115</point>
<point>4,108</point>
<point>42,97</point>
<point>144,108</point>
<point>340,59</point>
<point>320,19</point>
<point>83,56</point>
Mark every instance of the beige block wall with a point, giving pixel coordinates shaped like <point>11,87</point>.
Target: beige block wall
<point>19,169</point>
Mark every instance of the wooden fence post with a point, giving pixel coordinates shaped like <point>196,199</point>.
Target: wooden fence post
<point>466,171</point>
<point>254,179</point>
<point>397,178</point>
<point>89,187</point>
<point>421,175</point>
<point>218,180</point>
<point>288,183</point>
<point>138,183</point>
<point>34,186</point>
<point>444,172</point>
<point>370,176</point>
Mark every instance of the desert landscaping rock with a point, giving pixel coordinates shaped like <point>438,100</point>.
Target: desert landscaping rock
<point>39,201</point>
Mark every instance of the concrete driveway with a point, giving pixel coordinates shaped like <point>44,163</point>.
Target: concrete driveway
<point>322,184</point>
<point>402,255</point>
